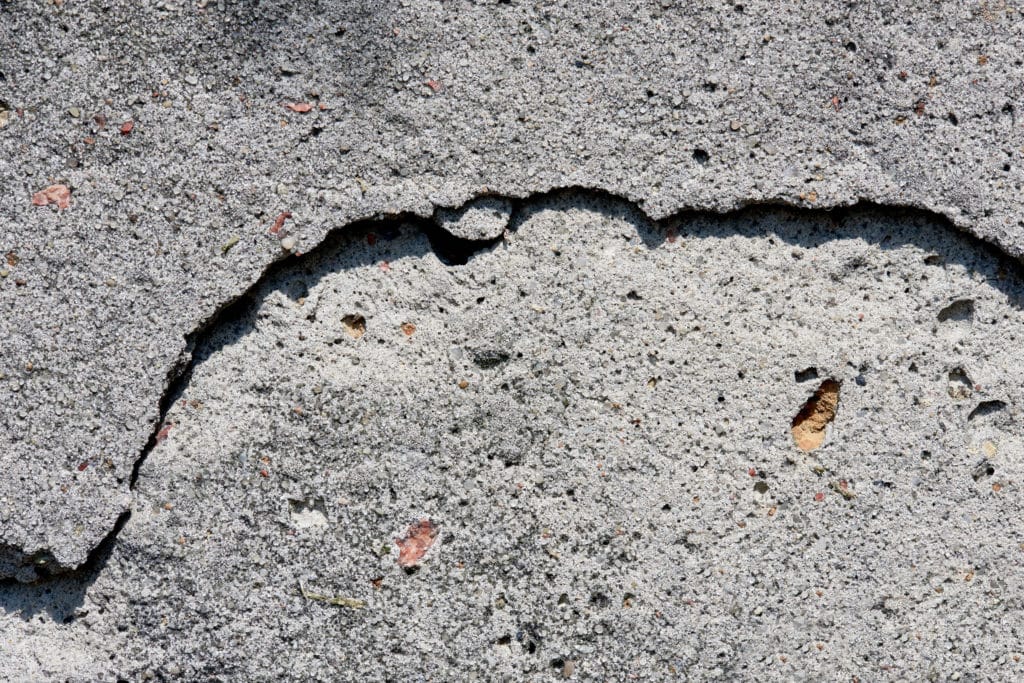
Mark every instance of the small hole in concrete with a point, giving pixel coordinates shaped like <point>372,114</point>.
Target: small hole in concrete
<point>809,425</point>
<point>959,384</point>
<point>806,374</point>
<point>960,310</point>
<point>986,408</point>
<point>354,324</point>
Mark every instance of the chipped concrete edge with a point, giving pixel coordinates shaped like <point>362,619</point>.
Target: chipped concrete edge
<point>29,565</point>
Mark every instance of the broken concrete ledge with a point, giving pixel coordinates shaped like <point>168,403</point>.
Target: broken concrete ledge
<point>585,423</point>
<point>438,222</point>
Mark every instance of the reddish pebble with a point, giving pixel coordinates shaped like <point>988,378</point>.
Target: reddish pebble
<point>417,541</point>
<point>385,266</point>
<point>264,473</point>
<point>54,194</point>
<point>83,465</point>
<point>752,472</point>
<point>819,496</point>
<point>279,222</point>
<point>127,127</point>
<point>164,431</point>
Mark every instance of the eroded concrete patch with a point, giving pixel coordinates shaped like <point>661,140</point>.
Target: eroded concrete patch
<point>184,130</point>
<point>594,417</point>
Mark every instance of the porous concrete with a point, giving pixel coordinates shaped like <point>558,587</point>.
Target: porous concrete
<point>199,142</point>
<point>594,414</point>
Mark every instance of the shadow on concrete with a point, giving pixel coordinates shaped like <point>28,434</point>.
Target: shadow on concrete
<point>350,246</point>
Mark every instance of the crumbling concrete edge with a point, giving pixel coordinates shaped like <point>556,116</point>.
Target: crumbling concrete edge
<point>39,564</point>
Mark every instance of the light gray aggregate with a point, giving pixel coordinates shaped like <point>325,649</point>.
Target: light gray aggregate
<point>424,105</point>
<point>190,177</point>
<point>595,414</point>
<point>480,220</point>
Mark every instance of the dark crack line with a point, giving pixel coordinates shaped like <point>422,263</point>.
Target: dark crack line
<point>454,251</point>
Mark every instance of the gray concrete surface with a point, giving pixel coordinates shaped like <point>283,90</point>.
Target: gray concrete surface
<point>179,130</point>
<point>594,413</point>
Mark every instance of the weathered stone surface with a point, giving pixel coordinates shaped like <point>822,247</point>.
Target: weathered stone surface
<point>480,220</point>
<point>580,440</point>
<point>192,163</point>
<point>414,106</point>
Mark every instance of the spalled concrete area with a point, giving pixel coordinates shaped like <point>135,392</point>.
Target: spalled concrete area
<point>157,158</point>
<point>594,413</point>
<point>182,133</point>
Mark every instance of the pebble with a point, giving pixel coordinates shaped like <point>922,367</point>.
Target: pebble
<point>288,243</point>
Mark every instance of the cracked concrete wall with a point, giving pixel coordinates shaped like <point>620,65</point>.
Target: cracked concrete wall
<point>180,134</point>
<point>168,124</point>
<point>590,417</point>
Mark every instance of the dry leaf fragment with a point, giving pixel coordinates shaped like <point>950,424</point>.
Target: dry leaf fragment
<point>54,194</point>
<point>232,241</point>
<point>336,600</point>
<point>417,541</point>
<point>300,107</point>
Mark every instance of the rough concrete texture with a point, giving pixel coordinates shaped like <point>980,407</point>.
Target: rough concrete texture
<point>193,144</point>
<point>594,414</point>
<point>482,219</point>
<point>168,122</point>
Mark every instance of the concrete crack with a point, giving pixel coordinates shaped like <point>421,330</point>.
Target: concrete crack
<point>456,235</point>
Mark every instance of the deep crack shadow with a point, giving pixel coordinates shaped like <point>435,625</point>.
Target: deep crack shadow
<point>867,221</point>
<point>60,595</point>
